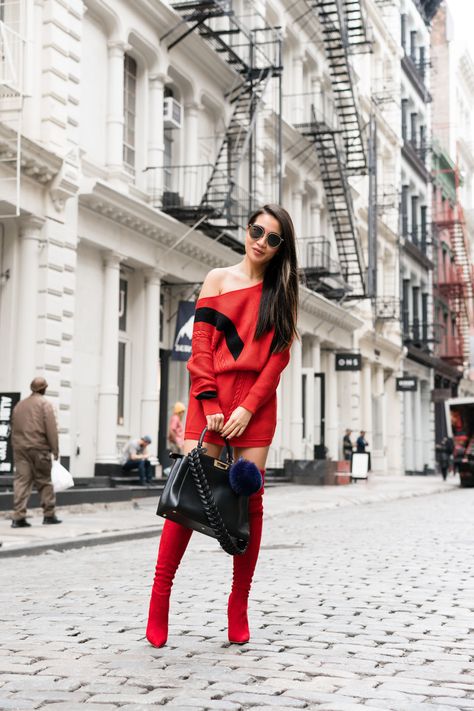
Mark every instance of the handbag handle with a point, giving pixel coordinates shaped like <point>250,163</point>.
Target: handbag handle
<point>229,455</point>
<point>210,507</point>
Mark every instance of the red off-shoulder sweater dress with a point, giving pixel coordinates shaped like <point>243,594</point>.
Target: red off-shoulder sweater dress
<point>229,367</point>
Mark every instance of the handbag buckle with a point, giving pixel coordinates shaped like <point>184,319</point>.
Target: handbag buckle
<point>220,465</point>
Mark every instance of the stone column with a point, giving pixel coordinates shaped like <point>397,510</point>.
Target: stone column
<point>298,113</point>
<point>332,412</point>
<point>297,211</point>
<point>115,117</point>
<point>27,311</point>
<point>150,401</point>
<point>315,230</point>
<point>155,135</point>
<point>380,393</point>
<point>316,354</point>
<point>418,430</point>
<point>108,387</point>
<point>191,177</point>
<point>408,431</point>
<point>366,408</point>
<point>296,423</point>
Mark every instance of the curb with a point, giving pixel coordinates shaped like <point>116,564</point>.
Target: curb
<point>82,542</point>
<point>151,531</point>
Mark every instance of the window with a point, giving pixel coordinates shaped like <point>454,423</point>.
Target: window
<point>123,305</point>
<point>129,108</point>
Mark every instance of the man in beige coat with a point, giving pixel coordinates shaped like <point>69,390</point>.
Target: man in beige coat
<point>34,440</point>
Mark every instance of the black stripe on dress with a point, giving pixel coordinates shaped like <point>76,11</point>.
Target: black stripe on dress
<point>222,323</point>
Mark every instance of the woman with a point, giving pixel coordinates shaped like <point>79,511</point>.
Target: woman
<point>244,324</point>
<point>175,429</point>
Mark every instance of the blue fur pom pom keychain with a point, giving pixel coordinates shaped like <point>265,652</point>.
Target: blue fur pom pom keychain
<point>244,477</point>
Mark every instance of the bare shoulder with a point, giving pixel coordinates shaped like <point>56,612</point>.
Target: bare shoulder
<point>213,282</point>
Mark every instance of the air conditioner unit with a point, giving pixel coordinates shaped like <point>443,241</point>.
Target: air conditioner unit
<point>172,113</point>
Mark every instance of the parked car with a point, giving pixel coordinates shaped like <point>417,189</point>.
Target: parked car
<point>460,426</point>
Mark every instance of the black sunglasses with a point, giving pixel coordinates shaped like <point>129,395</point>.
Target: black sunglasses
<point>273,239</point>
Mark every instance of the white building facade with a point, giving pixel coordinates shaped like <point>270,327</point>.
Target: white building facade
<point>120,130</point>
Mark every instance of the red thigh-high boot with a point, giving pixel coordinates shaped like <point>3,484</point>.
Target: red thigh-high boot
<point>244,566</point>
<point>173,543</point>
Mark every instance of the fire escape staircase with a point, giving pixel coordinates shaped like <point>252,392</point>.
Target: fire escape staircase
<point>461,293</point>
<point>341,150</point>
<point>339,203</point>
<point>224,205</point>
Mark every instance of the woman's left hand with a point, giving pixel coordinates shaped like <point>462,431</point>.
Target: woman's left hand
<point>237,423</point>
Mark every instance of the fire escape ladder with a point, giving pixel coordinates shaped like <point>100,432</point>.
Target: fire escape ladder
<point>342,26</point>
<point>339,203</point>
<point>221,191</point>
<point>225,204</point>
<point>463,298</point>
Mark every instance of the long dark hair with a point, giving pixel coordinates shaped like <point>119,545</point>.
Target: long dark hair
<point>279,303</point>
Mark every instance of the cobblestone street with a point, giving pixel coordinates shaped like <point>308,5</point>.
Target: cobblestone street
<point>364,606</point>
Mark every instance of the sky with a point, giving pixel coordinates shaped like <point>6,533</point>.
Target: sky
<point>462,12</point>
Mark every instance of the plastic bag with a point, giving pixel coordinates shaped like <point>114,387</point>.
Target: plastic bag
<point>60,477</point>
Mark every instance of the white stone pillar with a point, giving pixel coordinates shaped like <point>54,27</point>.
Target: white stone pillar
<point>332,412</point>
<point>298,113</point>
<point>108,386</point>
<point>115,107</point>
<point>296,423</point>
<point>418,430</point>
<point>380,393</point>
<point>150,401</point>
<point>156,145</point>
<point>408,431</point>
<point>191,176</point>
<point>366,423</point>
<point>315,230</point>
<point>297,211</point>
<point>27,311</point>
<point>316,355</point>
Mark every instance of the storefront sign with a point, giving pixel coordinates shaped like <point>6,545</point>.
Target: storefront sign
<point>7,403</point>
<point>407,384</point>
<point>184,331</point>
<point>348,361</point>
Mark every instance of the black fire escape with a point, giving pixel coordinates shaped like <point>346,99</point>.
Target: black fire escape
<point>340,150</point>
<point>224,205</point>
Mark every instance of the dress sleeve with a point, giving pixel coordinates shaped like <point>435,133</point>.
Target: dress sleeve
<point>201,368</point>
<point>267,382</point>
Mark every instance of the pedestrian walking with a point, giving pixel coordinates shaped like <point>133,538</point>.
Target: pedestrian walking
<point>445,450</point>
<point>135,455</point>
<point>34,440</point>
<point>176,429</point>
<point>244,325</point>
<point>347,445</point>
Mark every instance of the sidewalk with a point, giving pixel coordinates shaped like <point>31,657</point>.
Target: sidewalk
<point>97,524</point>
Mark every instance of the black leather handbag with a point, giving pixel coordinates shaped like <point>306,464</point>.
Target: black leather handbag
<point>198,495</point>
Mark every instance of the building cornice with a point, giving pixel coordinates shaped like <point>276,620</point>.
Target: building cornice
<point>317,305</point>
<point>37,162</point>
<point>164,230</point>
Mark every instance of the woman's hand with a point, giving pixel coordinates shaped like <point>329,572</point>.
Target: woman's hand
<point>237,423</point>
<point>215,422</point>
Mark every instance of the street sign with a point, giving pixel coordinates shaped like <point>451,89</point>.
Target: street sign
<point>7,403</point>
<point>407,384</point>
<point>348,361</point>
